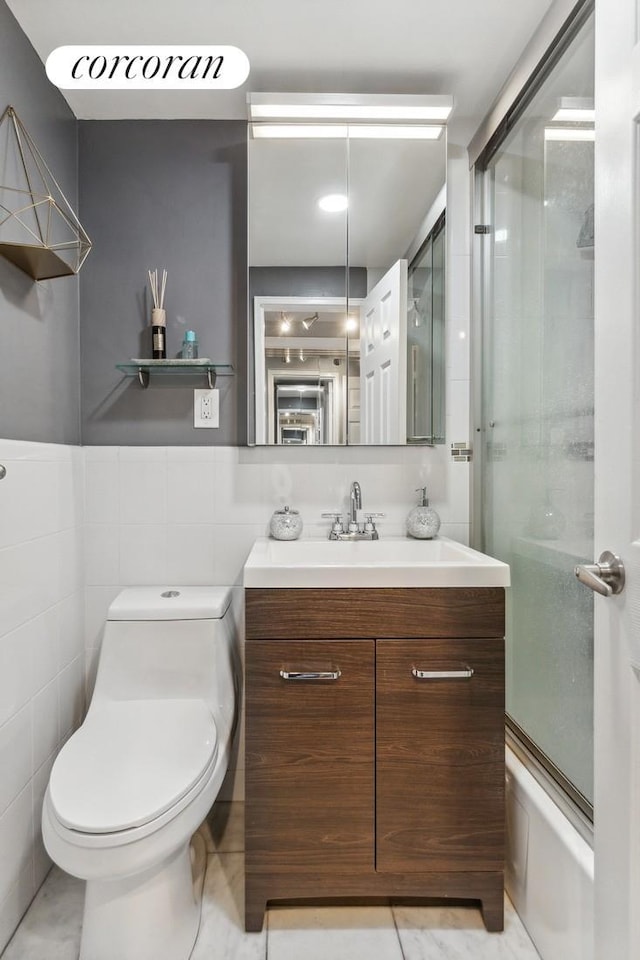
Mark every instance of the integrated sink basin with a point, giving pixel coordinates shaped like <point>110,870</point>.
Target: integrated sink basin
<point>388,562</point>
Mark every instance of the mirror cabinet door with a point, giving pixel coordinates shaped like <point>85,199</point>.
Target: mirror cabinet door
<point>339,230</point>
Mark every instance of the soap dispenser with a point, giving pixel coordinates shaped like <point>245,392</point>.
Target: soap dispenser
<point>423,522</point>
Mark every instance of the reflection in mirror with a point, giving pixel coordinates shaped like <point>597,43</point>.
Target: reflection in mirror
<point>340,268</point>
<point>425,341</point>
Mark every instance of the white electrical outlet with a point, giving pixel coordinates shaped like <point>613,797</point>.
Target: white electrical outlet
<point>206,408</point>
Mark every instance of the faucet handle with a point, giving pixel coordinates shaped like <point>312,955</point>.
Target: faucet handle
<point>336,526</point>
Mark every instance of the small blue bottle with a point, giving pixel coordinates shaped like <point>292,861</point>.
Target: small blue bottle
<point>190,346</point>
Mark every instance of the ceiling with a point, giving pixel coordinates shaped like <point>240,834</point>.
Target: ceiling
<point>462,47</point>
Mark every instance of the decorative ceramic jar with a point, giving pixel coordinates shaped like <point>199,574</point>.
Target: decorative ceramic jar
<point>286,524</point>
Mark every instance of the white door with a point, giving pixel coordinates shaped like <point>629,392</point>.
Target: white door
<point>383,360</point>
<point>617,475</point>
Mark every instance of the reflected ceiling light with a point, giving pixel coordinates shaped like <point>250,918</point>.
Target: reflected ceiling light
<point>285,324</point>
<point>301,356</point>
<point>287,356</point>
<point>333,203</point>
<point>352,324</point>
<point>569,133</point>
<point>574,110</point>
<point>348,107</point>
<point>395,132</point>
<point>299,130</point>
<point>354,131</point>
<point>308,322</point>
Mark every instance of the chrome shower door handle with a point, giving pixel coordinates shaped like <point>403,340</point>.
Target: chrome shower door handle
<point>605,577</point>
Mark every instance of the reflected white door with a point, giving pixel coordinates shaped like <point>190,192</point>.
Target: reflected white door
<point>617,490</point>
<point>383,360</point>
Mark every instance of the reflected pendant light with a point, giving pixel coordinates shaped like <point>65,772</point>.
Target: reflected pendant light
<point>39,232</point>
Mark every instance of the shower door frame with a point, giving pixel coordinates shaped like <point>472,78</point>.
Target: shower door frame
<point>576,807</point>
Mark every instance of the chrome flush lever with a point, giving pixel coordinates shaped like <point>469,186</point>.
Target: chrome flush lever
<point>605,577</point>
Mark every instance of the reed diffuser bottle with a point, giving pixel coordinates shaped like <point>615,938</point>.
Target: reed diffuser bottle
<point>158,316</point>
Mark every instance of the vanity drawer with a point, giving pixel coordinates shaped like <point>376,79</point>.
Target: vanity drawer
<point>310,755</point>
<point>439,754</point>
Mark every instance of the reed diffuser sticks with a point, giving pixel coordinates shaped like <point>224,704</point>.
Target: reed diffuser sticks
<point>157,292</point>
<point>158,315</point>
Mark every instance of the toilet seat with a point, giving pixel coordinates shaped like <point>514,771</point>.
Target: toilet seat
<point>131,762</point>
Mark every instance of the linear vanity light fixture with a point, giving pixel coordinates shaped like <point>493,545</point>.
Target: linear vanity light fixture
<point>414,131</point>
<point>348,115</point>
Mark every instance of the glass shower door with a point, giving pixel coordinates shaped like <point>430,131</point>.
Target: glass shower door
<point>537,464</point>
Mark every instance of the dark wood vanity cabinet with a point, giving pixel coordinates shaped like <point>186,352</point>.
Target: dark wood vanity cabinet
<point>383,774</point>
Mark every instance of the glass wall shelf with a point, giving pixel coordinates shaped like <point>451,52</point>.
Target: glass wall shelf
<point>174,368</point>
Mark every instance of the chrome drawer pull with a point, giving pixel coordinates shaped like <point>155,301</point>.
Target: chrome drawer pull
<point>310,675</point>
<point>465,674</point>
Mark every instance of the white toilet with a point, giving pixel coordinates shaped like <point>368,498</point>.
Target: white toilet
<point>132,785</point>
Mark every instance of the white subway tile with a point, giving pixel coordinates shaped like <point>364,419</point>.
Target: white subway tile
<point>41,859</point>
<point>45,723</point>
<point>145,454</point>
<point>232,545</point>
<point>70,628</point>
<point>71,698</point>
<point>16,668</point>
<point>190,553</point>
<point>191,491</point>
<point>101,554</point>
<point>239,495</point>
<point>15,756</point>
<point>143,491</point>
<point>16,841</point>
<point>97,602</point>
<point>143,554</point>
<point>43,631</point>
<point>13,906</point>
<point>101,491</point>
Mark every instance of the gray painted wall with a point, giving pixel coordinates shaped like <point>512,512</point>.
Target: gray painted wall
<point>39,325</point>
<point>173,195</point>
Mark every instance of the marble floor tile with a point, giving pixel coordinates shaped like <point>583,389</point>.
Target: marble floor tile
<point>458,933</point>
<point>50,929</point>
<point>222,933</point>
<point>224,828</point>
<point>332,933</point>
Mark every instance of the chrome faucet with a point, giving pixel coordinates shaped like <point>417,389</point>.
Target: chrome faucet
<point>355,504</point>
<point>354,529</point>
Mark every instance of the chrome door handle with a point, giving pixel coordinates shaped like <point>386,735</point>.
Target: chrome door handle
<point>465,674</point>
<point>605,577</point>
<point>311,674</point>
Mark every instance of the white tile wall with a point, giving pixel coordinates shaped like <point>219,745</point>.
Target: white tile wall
<point>41,649</point>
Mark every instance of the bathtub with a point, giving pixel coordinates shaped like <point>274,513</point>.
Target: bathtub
<point>549,869</point>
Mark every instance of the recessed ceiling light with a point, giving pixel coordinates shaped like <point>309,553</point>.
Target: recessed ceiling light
<point>333,203</point>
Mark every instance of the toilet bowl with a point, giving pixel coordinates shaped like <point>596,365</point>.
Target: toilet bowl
<point>131,786</point>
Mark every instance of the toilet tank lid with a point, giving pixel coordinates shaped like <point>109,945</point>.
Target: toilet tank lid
<point>170,603</point>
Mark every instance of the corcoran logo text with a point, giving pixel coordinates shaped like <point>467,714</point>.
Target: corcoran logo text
<point>147,67</point>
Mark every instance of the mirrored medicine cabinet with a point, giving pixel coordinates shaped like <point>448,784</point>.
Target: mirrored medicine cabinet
<point>346,280</point>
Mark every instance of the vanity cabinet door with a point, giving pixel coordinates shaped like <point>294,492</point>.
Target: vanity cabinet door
<point>310,756</point>
<point>440,755</point>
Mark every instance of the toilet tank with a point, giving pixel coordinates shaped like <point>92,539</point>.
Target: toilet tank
<point>173,643</point>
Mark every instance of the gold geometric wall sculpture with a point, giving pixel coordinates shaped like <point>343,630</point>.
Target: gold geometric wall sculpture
<point>39,232</point>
